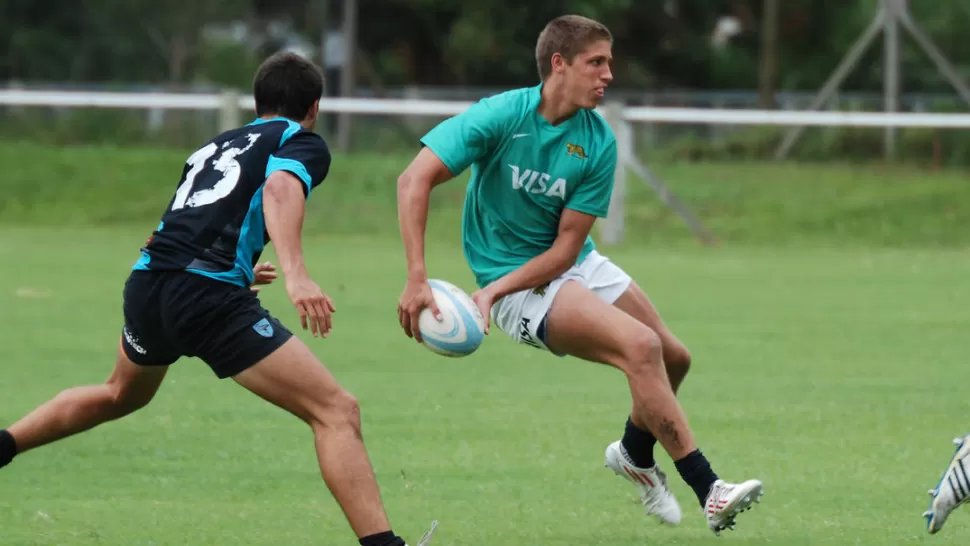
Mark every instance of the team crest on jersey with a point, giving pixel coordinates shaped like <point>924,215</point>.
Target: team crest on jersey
<point>575,150</point>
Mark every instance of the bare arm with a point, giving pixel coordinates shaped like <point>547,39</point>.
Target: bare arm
<point>283,209</point>
<point>574,227</point>
<point>450,148</point>
<point>413,193</point>
<point>284,205</point>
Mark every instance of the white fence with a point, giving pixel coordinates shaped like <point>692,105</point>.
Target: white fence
<point>232,104</point>
<point>416,107</point>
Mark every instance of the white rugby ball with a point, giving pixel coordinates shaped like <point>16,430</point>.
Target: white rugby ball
<point>462,326</point>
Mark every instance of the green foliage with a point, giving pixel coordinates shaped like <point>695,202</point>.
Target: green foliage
<point>109,40</point>
<point>482,43</point>
<point>227,64</point>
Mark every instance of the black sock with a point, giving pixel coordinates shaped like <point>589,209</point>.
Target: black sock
<point>696,471</point>
<point>387,538</point>
<point>8,448</point>
<point>638,444</point>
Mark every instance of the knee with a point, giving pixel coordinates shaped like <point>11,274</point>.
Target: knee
<point>643,353</point>
<point>677,358</point>
<point>125,399</point>
<point>340,411</point>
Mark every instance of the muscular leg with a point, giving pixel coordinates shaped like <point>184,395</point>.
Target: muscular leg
<point>581,324</point>
<point>129,388</point>
<point>294,379</point>
<point>635,303</point>
<point>638,441</point>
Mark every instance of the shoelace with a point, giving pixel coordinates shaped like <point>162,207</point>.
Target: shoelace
<point>718,493</point>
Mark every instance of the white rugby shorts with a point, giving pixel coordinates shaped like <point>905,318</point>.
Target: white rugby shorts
<point>520,314</point>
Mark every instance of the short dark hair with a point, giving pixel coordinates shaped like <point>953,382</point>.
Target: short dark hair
<point>567,35</point>
<point>287,85</point>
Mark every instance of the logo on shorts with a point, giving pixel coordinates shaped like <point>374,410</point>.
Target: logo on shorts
<point>541,290</point>
<point>133,341</point>
<point>263,328</point>
<point>525,336</point>
<point>575,150</point>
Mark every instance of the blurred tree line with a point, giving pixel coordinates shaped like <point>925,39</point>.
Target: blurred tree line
<point>701,45</point>
<point>486,43</point>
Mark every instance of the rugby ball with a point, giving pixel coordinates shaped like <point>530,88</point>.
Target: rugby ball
<point>462,326</point>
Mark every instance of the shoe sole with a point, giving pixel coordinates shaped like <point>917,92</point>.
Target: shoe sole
<point>743,503</point>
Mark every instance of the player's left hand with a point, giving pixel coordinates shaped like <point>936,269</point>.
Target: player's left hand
<point>263,273</point>
<point>485,298</point>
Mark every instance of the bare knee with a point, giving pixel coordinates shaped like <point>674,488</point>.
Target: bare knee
<point>340,411</point>
<point>643,353</point>
<point>126,399</point>
<point>677,359</point>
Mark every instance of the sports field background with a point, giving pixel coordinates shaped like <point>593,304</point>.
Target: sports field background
<point>829,331</point>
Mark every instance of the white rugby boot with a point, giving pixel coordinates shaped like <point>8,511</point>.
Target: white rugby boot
<point>655,496</point>
<point>426,539</point>
<point>726,500</point>
<point>953,489</point>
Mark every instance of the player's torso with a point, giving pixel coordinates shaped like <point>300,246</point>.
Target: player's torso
<point>535,169</point>
<point>214,223</point>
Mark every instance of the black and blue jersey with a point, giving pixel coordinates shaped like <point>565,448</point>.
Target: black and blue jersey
<point>214,223</point>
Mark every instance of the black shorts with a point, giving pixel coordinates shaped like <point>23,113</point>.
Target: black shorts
<point>169,315</point>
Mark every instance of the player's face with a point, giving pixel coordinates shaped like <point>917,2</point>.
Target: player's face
<point>589,74</point>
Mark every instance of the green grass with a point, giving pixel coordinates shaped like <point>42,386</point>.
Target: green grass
<point>835,376</point>
<point>828,331</point>
<point>743,203</point>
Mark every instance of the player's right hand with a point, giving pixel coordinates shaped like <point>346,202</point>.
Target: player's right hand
<point>417,296</point>
<point>312,304</point>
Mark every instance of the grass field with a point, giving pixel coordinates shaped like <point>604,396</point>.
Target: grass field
<point>830,367</point>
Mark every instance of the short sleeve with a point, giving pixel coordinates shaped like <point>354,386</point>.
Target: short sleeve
<point>593,195</point>
<point>461,140</point>
<point>306,155</point>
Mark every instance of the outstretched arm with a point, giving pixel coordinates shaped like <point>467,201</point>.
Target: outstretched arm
<point>284,206</point>
<point>413,194</point>
<point>450,148</point>
<point>284,203</point>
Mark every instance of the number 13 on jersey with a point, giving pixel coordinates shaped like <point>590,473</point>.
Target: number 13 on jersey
<point>225,167</point>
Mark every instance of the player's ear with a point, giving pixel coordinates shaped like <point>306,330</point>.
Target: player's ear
<point>312,115</point>
<point>558,62</point>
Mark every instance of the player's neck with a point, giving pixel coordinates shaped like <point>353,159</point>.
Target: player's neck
<point>267,117</point>
<point>555,106</point>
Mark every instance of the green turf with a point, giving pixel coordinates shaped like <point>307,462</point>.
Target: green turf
<point>742,203</point>
<point>836,376</point>
<point>828,335</point>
